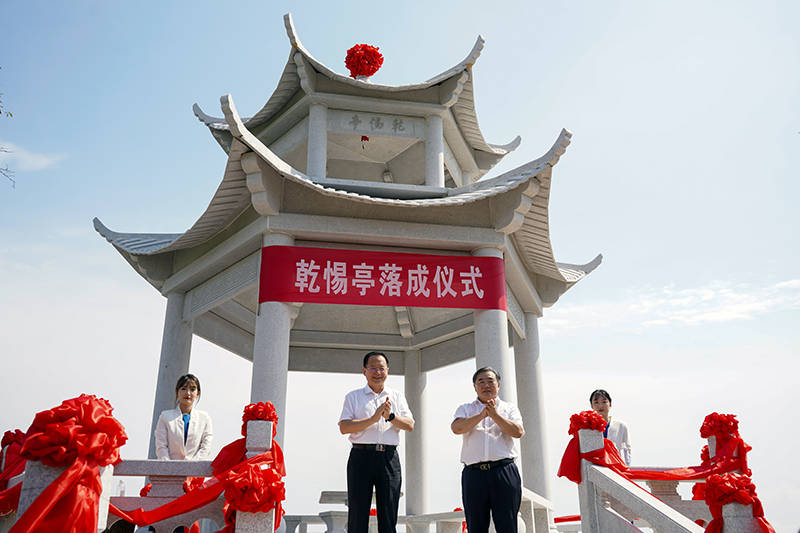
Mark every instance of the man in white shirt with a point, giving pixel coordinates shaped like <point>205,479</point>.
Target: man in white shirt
<point>490,481</point>
<point>373,417</point>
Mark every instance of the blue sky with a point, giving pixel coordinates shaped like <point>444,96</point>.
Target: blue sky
<point>682,172</point>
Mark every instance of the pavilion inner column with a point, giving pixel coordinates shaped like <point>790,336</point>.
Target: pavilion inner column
<point>176,349</point>
<point>434,151</point>
<point>491,337</point>
<point>271,349</point>
<point>416,442</point>
<point>317,156</point>
<point>531,404</point>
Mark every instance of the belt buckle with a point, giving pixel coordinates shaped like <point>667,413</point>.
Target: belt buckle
<point>485,466</point>
<point>380,448</point>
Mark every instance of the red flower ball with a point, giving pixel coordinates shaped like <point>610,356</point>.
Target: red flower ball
<point>722,489</point>
<point>259,411</point>
<point>79,427</point>
<point>363,60</point>
<point>252,489</point>
<point>586,420</point>
<point>719,424</point>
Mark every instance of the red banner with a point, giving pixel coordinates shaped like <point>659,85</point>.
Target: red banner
<point>334,276</point>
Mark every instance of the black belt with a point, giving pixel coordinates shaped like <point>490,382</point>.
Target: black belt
<point>375,447</point>
<point>488,465</point>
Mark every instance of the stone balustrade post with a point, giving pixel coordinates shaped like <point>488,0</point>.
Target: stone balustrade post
<point>258,440</point>
<point>335,521</point>
<point>738,518</point>
<point>39,476</point>
<point>447,527</point>
<point>590,501</point>
<point>291,523</point>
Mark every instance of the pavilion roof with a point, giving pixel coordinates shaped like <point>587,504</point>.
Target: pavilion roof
<point>294,78</point>
<point>532,238</point>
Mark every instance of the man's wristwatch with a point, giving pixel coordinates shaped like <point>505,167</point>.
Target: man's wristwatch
<point>391,417</point>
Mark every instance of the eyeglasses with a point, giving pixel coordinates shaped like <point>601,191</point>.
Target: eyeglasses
<point>382,370</point>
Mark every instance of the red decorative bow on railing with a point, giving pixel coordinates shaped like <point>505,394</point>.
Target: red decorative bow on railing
<point>731,453</point>
<point>722,489</point>
<point>82,436</point>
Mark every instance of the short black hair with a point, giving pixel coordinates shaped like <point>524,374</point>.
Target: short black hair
<point>371,354</point>
<point>183,380</point>
<point>485,369</point>
<point>600,392</point>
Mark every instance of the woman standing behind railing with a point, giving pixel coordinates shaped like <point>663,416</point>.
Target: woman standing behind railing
<point>184,432</point>
<point>616,431</point>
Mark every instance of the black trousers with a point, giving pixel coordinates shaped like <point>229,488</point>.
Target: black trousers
<point>498,490</point>
<point>367,469</point>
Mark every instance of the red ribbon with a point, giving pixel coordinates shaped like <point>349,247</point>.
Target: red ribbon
<point>732,488</point>
<point>14,464</point>
<point>81,435</point>
<point>249,485</point>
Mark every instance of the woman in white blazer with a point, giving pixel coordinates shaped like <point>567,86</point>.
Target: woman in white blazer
<point>616,431</point>
<point>184,432</point>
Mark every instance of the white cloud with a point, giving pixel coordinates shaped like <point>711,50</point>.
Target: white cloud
<point>716,302</point>
<point>18,158</point>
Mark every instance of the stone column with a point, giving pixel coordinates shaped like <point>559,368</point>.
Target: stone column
<point>434,151</point>
<point>528,365</point>
<point>416,448</point>
<point>176,349</point>
<point>317,157</point>
<point>491,337</point>
<point>271,349</point>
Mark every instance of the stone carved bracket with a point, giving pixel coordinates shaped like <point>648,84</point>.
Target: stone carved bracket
<point>305,73</point>
<point>294,312</point>
<point>452,89</point>
<point>266,188</point>
<point>509,210</point>
<point>404,322</point>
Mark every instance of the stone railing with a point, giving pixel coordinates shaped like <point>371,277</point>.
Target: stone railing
<point>166,477</point>
<point>600,485</point>
<point>536,516</point>
<point>610,503</point>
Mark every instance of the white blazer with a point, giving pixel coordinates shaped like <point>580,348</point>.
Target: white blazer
<point>169,435</point>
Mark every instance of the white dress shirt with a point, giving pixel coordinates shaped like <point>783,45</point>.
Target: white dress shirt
<point>169,435</point>
<point>362,403</point>
<point>486,441</point>
<point>618,434</point>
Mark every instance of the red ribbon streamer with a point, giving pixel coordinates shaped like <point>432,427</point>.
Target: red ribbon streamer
<point>206,493</point>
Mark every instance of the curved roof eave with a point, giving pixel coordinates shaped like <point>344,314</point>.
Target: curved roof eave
<point>233,196</point>
<point>465,64</point>
<point>289,83</point>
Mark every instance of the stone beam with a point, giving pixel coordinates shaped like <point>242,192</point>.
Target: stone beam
<point>337,361</point>
<point>448,352</point>
<point>238,246</point>
<point>229,283</point>
<point>224,334</point>
<point>445,331</point>
<point>516,317</point>
<point>348,340</point>
<point>518,278</point>
<point>380,232</point>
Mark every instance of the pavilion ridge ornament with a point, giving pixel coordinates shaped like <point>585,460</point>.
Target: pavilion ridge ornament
<point>334,276</point>
<point>363,61</point>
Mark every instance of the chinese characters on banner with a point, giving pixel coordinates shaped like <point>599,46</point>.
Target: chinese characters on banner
<point>334,276</point>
